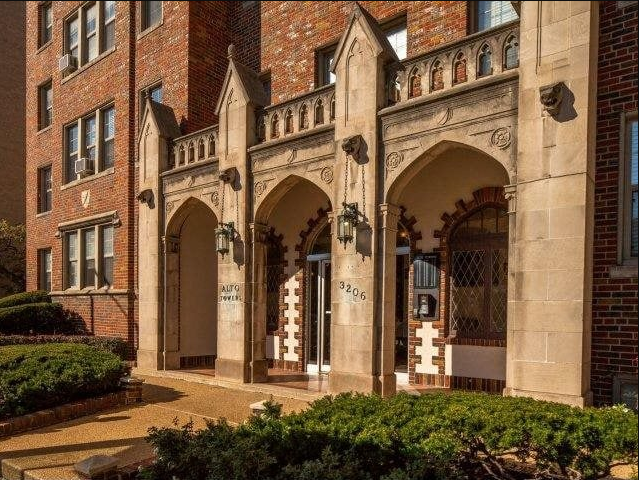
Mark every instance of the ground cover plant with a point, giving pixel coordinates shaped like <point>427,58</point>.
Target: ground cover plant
<point>35,377</point>
<point>434,437</point>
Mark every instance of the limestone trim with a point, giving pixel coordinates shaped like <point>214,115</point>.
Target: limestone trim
<point>106,217</point>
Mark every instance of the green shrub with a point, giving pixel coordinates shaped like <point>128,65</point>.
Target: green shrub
<point>111,344</point>
<point>435,436</point>
<point>34,318</point>
<point>37,296</point>
<point>35,377</point>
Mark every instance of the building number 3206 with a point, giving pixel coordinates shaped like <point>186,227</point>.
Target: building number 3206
<point>357,293</point>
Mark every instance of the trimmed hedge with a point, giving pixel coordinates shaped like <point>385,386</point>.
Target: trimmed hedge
<point>433,436</point>
<point>37,296</point>
<point>35,377</point>
<point>33,318</point>
<point>110,344</point>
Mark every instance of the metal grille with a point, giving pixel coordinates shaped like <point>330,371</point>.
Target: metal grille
<point>273,280</point>
<point>498,290</point>
<point>467,291</point>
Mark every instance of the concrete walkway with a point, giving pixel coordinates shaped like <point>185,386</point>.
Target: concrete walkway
<point>50,453</point>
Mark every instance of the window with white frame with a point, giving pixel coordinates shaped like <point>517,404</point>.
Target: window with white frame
<point>629,201</point>
<point>44,189</point>
<point>90,31</point>
<point>45,94</point>
<point>44,269</point>
<point>46,23</point>
<point>89,257</point>
<point>489,14</point>
<point>151,15</point>
<point>89,146</point>
<point>324,61</point>
<point>397,37</point>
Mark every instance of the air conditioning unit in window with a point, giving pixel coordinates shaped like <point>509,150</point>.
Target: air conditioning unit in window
<point>84,166</point>
<point>67,63</point>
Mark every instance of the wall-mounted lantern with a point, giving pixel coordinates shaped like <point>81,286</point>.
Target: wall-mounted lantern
<point>346,222</point>
<point>223,236</point>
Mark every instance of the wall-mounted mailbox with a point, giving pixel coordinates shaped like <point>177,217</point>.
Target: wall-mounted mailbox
<point>426,286</point>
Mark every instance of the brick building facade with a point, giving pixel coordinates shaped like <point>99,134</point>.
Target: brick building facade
<point>130,243</point>
<point>12,122</point>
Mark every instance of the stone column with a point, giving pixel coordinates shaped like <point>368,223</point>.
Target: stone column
<point>389,216</point>
<point>259,363</point>
<point>550,308</point>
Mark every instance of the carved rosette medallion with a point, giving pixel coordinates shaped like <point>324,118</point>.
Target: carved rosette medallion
<point>169,206</point>
<point>394,160</point>
<point>501,138</point>
<point>215,198</point>
<point>327,174</point>
<point>260,188</point>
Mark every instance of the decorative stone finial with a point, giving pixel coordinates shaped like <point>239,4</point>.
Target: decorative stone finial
<point>231,51</point>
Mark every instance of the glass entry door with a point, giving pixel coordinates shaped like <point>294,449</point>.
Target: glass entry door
<point>319,308</point>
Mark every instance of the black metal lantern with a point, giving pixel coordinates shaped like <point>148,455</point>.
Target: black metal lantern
<point>223,237</point>
<point>346,223</point>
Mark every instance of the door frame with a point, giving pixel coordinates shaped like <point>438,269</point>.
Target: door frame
<point>323,260</point>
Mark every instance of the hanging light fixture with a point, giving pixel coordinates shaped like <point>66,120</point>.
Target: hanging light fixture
<point>346,222</point>
<point>223,237</point>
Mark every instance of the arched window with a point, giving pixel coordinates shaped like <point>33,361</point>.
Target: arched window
<point>459,69</point>
<point>484,61</point>
<point>182,156</point>
<point>437,76</point>
<point>261,129</point>
<point>211,146</point>
<point>414,84</point>
<point>478,274</point>
<point>288,121</point>
<point>191,152</point>
<point>200,149</point>
<point>511,53</point>
<point>275,126</point>
<point>304,117</point>
<point>319,112</point>
<point>332,110</point>
<point>274,274</point>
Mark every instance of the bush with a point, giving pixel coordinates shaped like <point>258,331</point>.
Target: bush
<point>110,344</point>
<point>37,296</point>
<point>33,318</point>
<point>435,436</point>
<point>35,377</point>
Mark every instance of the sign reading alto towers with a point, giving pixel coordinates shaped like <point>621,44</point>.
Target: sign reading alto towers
<point>230,293</point>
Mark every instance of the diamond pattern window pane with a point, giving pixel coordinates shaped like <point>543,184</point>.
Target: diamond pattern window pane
<point>273,276</point>
<point>467,291</point>
<point>498,291</point>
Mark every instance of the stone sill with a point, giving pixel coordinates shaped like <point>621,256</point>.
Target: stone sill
<point>88,65</point>
<point>45,129</point>
<point>189,166</point>
<point>44,46</point>
<point>89,292</point>
<point>624,271</point>
<point>62,413</point>
<point>43,214</point>
<point>150,29</point>
<point>95,176</point>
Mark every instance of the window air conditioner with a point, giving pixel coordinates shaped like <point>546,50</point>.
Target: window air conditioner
<point>84,166</point>
<point>67,63</point>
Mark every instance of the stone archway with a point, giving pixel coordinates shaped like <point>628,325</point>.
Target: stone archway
<point>190,334</point>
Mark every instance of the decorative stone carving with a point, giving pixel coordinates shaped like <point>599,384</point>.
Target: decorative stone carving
<point>189,180</point>
<point>215,198</point>
<point>444,116</point>
<point>551,96</point>
<point>169,206</point>
<point>394,160</point>
<point>327,174</point>
<point>501,138</point>
<point>352,146</point>
<point>85,198</point>
<point>260,188</point>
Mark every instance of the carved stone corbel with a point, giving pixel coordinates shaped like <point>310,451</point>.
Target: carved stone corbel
<point>551,96</point>
<point>352,146</point>
<point>510,192</point>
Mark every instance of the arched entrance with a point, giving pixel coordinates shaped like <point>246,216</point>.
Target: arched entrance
<point>297,274</point>
<point>191,286</point>
<point>455,273</point>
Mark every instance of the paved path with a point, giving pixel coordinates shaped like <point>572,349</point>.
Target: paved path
<point>50,453</point>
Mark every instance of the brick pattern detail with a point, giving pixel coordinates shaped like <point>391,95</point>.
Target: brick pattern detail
<point>614,300</point>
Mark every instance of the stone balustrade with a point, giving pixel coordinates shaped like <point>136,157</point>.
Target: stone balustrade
<point>300,114</point>
<point>475,57</point>
<point>194,147</point>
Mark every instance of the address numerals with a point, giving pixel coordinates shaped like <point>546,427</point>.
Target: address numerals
<point>356,292</point>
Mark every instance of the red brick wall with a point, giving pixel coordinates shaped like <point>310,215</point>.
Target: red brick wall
<point>12,75</point>
<point>292,31</point>
<point>614,322</point>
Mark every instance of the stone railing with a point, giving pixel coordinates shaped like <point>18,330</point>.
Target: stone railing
<point>474,57</point>
<point>300,114</point>
<point>194,147</point>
